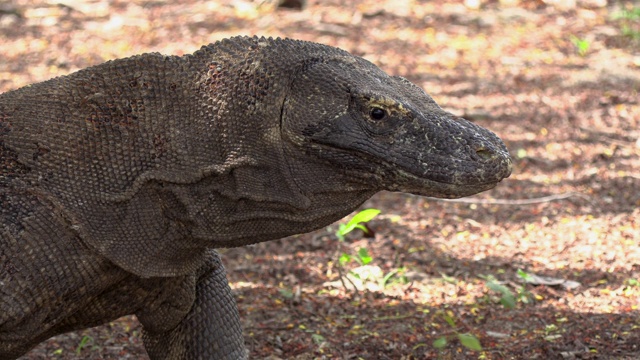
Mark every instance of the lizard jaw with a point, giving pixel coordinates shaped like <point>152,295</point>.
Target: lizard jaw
<point>470,184</point>
<point>431,188</point>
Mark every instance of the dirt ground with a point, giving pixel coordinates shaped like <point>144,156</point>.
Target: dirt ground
<point>559,81</point>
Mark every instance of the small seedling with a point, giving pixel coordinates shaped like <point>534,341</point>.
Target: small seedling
<point>524,295</point>
<point>357,222</point>
<point>362,256</point>
<point>629,22</point>
<point>467,340</point>
<point>86,341</point>
<point>507,299</point>
<point>582,45</point>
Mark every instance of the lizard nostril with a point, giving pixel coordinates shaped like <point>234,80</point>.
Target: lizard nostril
<point>483,153</point>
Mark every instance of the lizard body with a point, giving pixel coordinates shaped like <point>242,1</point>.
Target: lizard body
<point>118,181</point>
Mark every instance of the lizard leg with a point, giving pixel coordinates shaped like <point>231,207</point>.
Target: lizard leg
<point>210,330</point>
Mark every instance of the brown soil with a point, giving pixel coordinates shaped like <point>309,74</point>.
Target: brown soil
<point>570,211</point>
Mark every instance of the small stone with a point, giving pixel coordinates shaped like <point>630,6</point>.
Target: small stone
<point>472,4</point>
<point>563,5</point>
<point>592,4</point>
<point>509,3</point>
<point>292,4</point>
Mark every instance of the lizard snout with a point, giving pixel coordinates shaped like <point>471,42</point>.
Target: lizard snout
<point>497,157</point>
<point>486,149</point>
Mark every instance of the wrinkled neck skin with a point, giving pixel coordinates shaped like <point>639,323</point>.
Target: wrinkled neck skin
<point>264,187</point>
<point>251,204</point>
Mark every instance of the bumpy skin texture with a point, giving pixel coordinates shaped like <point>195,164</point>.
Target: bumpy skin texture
<point>116,182</point>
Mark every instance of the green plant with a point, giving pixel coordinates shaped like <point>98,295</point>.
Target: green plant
<point>524,295</point>
<point>629,22</point>
<point>362,256</point>
<point>356,222</point>
<point>507,297</point>
<point>364,272</point>
<point>84,342</point>
<point>467,340</point>
<point>631,286</point>
<point>387,277</point>
<point>582,45</point>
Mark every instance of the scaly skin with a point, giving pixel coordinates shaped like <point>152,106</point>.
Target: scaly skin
<point>118,181</point>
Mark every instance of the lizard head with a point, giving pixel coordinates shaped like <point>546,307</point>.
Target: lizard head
<point>386,132</point>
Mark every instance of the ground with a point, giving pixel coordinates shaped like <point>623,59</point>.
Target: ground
<point>559,81</point>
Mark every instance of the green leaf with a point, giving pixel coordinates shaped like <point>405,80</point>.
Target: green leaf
<point>345,229</point>
<point>317,338</point>
<point>470,342</point>
<point>363,255</point>
<point>286,293</point>
<point>363,216</point>
<point>507,299</point>
<point>86,340</point>
<point>633,14</point>
<point>440,343</point>
<point>362,227</point>
<point>342,229</point>
<point>344,258</point>
<point>388,276</point>
<point>497,287</point>
<point>581,45</point>
<point>449,319</point>
<point>524,275</point>
<point>449,279</point>
<point>524,296</point>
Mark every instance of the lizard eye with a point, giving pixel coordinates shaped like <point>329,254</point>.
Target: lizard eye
<point>377,113</point>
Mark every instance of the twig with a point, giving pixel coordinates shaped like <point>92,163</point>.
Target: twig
<point>342,276</point>
<point>608,137</point>
<point>513,202</point>
<point>462,321</point>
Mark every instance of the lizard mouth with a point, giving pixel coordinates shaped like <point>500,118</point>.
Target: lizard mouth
<point>409,183</point>
<point>458,179</point>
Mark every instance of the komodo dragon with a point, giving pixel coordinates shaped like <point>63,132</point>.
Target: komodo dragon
<point>118,181</point>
